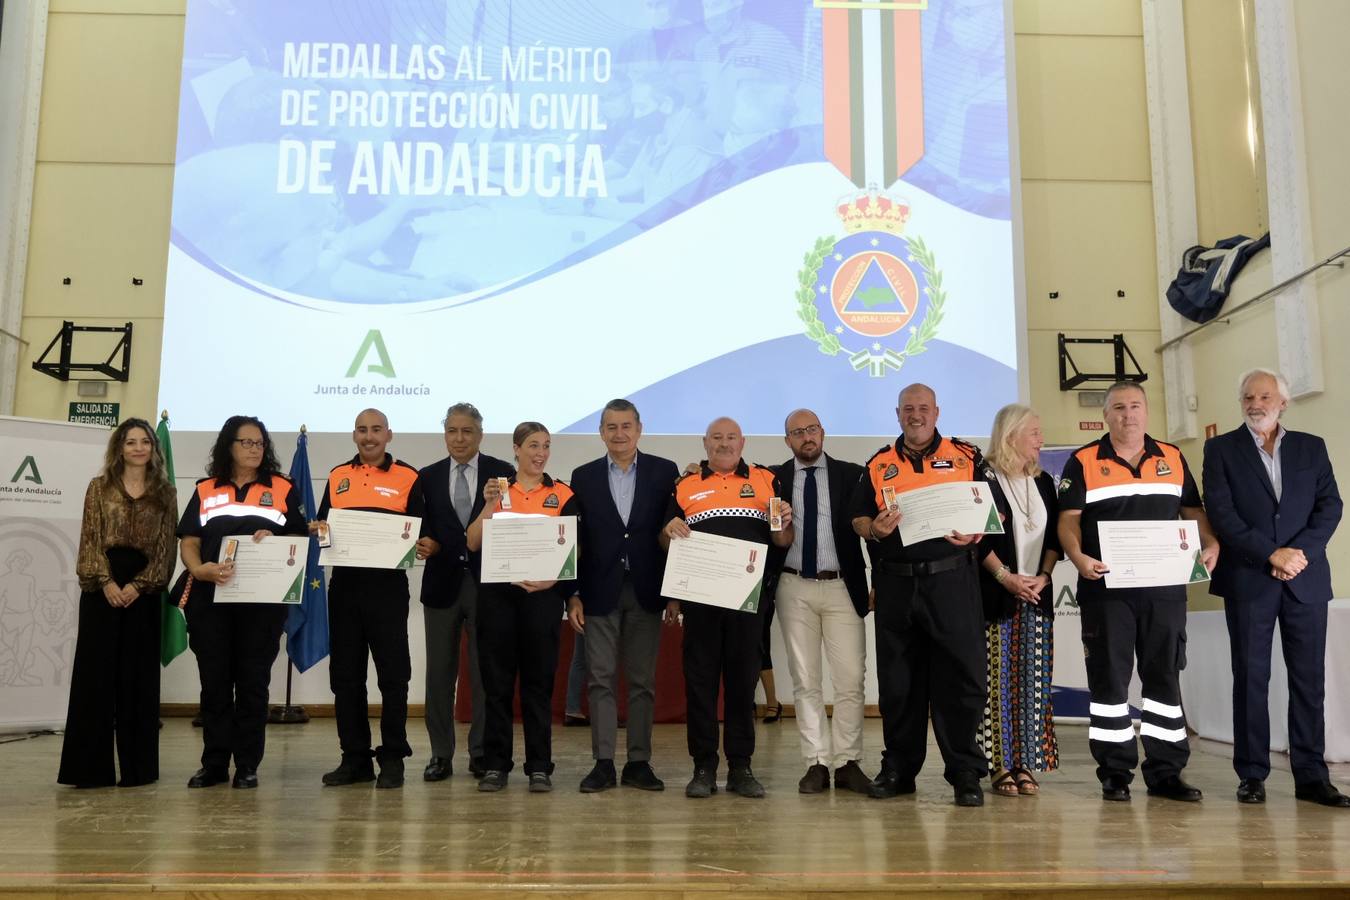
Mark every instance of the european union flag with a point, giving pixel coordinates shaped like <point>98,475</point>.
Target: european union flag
<point>307,624</point>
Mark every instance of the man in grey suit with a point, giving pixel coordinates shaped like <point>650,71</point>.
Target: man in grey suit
<point>454,497</point>
<point>618,605</point>
<point>1273,502</point>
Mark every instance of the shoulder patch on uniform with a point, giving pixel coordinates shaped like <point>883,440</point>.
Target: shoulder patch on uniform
<point>344,485</point>
<point>1064,485</point>
<point>747,490</point>
<point>551,501</point>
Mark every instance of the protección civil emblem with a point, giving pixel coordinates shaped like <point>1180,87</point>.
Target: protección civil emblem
<point>874,295</point>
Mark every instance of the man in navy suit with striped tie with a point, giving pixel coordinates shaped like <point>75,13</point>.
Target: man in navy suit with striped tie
<point>1273,502</point>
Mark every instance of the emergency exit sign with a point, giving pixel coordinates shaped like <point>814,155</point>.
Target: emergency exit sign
<point>95,413</point>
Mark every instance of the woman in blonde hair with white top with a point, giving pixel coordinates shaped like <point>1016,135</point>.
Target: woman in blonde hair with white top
<point>1019,733</point>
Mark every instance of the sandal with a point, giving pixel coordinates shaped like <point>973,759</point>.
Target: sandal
<point>1004,783</point>
<point>1026,782</point>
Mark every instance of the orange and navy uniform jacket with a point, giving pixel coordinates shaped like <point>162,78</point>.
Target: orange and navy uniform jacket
<point>218,509</point>
<point>734,504</point>
<point>1106,488</point>
<point>548,498</point>
<point>943,460</point>
<point>391,487</point>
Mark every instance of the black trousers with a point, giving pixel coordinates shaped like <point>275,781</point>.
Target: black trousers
<point>931,654</point>
<point>518,637</point>
<point>114,688</point>
<point>1118,627</point>
<point>235,645</point>
<point>721,650</point>
<point>1303,636</point>
<point>368,618</point>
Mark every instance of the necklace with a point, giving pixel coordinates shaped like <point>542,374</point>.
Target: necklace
<point>1023,503</point>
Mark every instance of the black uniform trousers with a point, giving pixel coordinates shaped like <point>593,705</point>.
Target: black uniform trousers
<point>114,686</point>
<point>1303,634</point>
<point>235,645</point>
<point>721,650</point>
<point>518,637</point>
<point>368,618</point>
<point>1120,626</point>
<point>931,653</point>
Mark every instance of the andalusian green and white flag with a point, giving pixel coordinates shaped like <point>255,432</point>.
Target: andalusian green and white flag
<point>173,638</point>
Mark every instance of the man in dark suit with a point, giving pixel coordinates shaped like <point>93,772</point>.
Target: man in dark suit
<point>618,604</point>
<point>1273,502</point>
<point>454,497</point>
<point>821,597</point>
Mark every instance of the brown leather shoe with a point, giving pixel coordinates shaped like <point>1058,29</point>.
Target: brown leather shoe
<point>850,777</point>
<point>815,781</point>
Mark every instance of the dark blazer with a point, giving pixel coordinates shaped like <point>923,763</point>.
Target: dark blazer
<point>998,603</point>
<point>1251,524</point>
<point>604,541</point>
<point>843,477</point>
<point>440,581</point>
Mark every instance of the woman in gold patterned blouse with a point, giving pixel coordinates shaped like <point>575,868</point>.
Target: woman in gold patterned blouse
<point>126,557</point>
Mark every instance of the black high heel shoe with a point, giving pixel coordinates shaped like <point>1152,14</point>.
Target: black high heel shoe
<point>777,714</point>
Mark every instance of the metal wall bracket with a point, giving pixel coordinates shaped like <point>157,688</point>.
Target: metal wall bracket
<point>62,368</point>
<point>1121,350</point>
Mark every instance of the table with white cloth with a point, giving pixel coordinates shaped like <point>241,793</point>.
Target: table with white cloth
<point>1207,682</point>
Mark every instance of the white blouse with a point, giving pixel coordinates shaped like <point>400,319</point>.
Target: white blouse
<point>1028,521</point>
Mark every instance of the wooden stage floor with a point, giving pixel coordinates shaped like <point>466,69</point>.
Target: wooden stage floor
<point>294,837</point>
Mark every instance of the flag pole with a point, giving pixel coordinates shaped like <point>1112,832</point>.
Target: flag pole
<point>288,714</point>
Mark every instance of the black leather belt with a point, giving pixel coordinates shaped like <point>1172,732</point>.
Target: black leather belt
<point>934,567</point>
<point>819,576</point>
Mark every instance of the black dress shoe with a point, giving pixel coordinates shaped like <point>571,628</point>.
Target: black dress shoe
<point>391,774</point>
<point>245,779</point>
<point>1173,788</point>
<point>1251,790</point>
<point>208,777</point>
<point>600,778</point>
<point>850,777</point>
<point>1323,792</point>
<point>1116,787</point>
<point>477,768</point>
<point>641,776</point>
<point>744,782</point>
<point>889,784</point>
<point>968,794</point>
<point>815,781</point>
<point>438,769</point>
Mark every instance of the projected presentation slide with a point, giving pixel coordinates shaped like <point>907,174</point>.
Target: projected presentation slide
<point>710,207</point>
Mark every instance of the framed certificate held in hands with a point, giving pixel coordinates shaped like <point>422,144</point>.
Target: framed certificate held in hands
<point>268,571</point>
<point>718,571</point>
<point>369,540</point>
<point>529,548</point>
<point>1151,554</point>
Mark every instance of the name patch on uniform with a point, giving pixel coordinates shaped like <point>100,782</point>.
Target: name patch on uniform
<point>551,501</point>
<point>747,490</point>
<point>891,472</point>
<point>701,494</point>
<point>940,464</point>
<point>265,499</point>
<point>1164,468</point>
<point>344,486</point>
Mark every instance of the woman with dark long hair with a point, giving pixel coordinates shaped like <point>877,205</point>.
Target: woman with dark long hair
<point>243,493</point>
<point>124,563</point>
<point>518,623</point>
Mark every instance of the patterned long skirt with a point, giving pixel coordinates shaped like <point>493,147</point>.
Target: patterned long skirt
<point>1019,728</point>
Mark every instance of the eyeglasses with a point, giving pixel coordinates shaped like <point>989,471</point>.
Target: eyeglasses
<point>250,444</point>
<point>809,430</point>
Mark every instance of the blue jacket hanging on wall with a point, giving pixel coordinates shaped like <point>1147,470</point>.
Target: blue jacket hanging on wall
<point>1207,274</point>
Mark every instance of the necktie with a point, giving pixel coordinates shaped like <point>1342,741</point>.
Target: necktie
<point>461,498</point>
<point>810,511</point>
